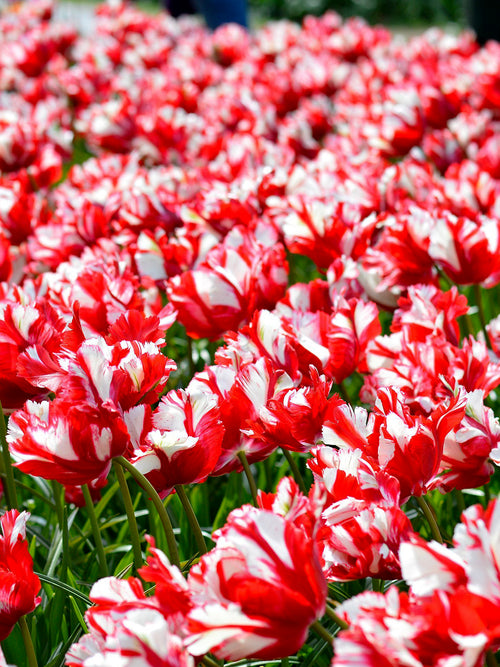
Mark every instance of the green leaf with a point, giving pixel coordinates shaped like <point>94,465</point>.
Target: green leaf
<point>58,656</point>
<point>55,583</point>
<point>126,563</point>
<point>231,500</point>
<point>78,613</point>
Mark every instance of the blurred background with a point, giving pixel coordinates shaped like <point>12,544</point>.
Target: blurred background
<point>412,13</point>
<point>396,12</point>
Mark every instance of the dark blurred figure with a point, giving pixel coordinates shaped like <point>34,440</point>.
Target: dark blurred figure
<point>179,7</point>
<point>484,19</point>
<point>215,12</point>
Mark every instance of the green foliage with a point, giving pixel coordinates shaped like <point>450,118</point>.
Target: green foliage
<point>408,12</point>
<point>301,269</point>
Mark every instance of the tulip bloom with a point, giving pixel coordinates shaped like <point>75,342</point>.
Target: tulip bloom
<point>129,629</point>
<point>237,277</point>
<point>19,585</point>
<point>258,591</point>
<point>72,443</point>
<point>185,444</point>
<point>467,250</point>
<point>396,629</point>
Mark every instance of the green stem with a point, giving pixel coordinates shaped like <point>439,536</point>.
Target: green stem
<point>57,490</point>
<point>251,482</point>
<point>192,519</point>
<point>268,474</point>
<point>190,356</point>
<point>34,493</point>
<point>480,307</point>
<point>57,609</point>
<point>429,515</point>
<point>10,484</point>
<point>344,394</point>
<point>331,614</point>
<point>151,529</point>
<point>132,521</point>
<point>295,470</point>
<point>469,329</point>
<point>65,541</point>
<point>62,512</point>
<point>206,660</point>
<point>322,632</point>
<point>487,496</point>
<point>459,497</point>
<point>101,556</point>
<point>448,284</point>
<point>490,659</point>
<point>28,643</point>
<point>159,506</point>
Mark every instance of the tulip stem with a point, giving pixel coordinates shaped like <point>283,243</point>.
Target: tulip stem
<point>58,501</point>
<point>251,482</point>
<point>480,309</point>
<point>322,632</point>
<point>101,556</point>
<point>331,614</point>
<point>209,662</point>
<point>62,514</point>
<point>295,470</point>
<point>190,356</point>
<point>343,392</point>
<point>469,329</point>
<point>459,497</point>
<point>426,509</point>
<point>159,506</point>
<point>192,519</point>
<point>10,483</point>
<point>28,643</point>
<point>487,498</point>
<point>129,509</point>
<point>491,661</point>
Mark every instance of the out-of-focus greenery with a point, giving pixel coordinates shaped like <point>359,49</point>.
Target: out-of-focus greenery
<point>389,12</point>
<point>374,11</point>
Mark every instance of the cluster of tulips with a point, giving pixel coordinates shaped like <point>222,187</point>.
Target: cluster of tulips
<point>249,344</point>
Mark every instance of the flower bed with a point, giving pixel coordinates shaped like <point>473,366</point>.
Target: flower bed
<point>249,344</point>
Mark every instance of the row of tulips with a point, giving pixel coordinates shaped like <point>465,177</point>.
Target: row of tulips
<point>249,344</point>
